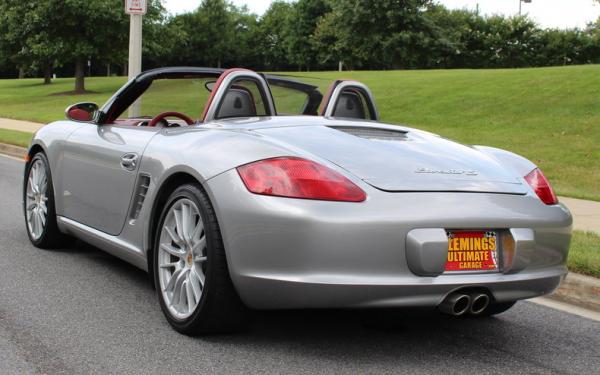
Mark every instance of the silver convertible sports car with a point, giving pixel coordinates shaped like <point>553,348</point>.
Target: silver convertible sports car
<point>274,196</point>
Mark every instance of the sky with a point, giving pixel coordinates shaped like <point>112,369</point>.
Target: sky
<point>547,13</point>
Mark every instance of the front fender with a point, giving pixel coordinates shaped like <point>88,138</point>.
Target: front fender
<point>51,139</point>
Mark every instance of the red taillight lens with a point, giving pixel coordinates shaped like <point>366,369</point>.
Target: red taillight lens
<point>541,186</point>
<point>298,178</point>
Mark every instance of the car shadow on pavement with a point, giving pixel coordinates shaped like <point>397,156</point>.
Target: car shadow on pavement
<point>347,340</point>
<point>106,262</point>
<point>310,322</point>
<point>378,336</point>
<point>373,322</point>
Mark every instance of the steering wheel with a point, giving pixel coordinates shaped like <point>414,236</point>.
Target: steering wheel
<point>158,118</point>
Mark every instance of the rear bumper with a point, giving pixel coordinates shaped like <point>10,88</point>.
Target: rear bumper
<point>292,253</point>
<point>410,291</point>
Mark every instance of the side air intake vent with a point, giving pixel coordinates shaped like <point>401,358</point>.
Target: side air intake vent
<point>140,195</point>
<point>373,133</point>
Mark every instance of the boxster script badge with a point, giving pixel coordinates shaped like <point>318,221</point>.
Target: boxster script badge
<point>447,171</point>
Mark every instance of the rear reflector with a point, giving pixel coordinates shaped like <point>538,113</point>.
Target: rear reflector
<point>293,177</point>
<point>541,186</point>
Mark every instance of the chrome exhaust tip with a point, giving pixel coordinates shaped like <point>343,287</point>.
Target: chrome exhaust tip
<point>479,302</point>
<point>455,304</point>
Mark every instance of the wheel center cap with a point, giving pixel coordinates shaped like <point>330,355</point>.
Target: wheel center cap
<point>189,258</point>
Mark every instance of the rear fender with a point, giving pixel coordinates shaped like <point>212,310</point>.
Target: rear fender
<point>511,161</point>
<point>201,154</point>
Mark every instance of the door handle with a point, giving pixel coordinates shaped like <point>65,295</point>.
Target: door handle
<point>129,161</point>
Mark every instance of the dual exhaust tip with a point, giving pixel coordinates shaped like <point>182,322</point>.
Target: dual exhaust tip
<point>461,303</point>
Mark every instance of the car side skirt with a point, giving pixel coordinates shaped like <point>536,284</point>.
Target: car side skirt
<point>111,244</point>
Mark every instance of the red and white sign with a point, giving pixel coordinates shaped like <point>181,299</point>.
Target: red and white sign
<point>135,6</point>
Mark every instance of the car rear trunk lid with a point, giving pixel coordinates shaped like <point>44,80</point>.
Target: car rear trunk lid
<point>395,160</point>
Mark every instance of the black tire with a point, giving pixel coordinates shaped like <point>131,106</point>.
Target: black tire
<point>51,236</point>
<point>498,308</point>
<point>220,309</point>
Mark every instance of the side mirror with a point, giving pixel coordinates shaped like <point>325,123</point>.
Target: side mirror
<point>82,112</point>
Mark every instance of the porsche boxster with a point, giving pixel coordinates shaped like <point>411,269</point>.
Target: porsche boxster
<point>275,196</point>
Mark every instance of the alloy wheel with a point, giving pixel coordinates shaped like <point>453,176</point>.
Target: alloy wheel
<point>36,198</point>
<point>182,258</point>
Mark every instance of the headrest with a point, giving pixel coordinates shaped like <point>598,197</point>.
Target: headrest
<point>237,103</point>
<point>349,105</point>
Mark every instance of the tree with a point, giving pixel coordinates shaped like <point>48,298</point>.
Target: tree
<point>246,39</point>
<point>301,25</point>
<point>592,50</point>
<point>460,30</point>
<point>9,42</point>
<point>27,44</point>
<point>327,41</point>
<point>379,33</point>
<point>158,37</point>
<point>87,29</point>
<point>217,24</point>
<point>42,35</point>
<point>206,35</point>
<point>188,47</point>
<point>59,31</point>
<point>273,30</point>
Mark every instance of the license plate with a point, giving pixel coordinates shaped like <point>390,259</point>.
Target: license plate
<point>472,251</point>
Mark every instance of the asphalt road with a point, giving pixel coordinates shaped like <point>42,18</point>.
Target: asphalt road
<point>79,310</point>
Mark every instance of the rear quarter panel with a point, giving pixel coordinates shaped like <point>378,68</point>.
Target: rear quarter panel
<point>200,152</point>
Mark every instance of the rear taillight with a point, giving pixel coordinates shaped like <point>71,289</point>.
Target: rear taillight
<point>298,178</point>
<point>541,186</point>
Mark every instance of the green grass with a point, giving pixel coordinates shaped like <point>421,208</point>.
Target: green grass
<point>549,115</point>
<point>29,99</point>
<point>584,255</point>
<point>13,137</point>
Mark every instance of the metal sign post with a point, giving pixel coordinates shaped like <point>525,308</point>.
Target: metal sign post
<point>523,1</point>
<point>136,10</point>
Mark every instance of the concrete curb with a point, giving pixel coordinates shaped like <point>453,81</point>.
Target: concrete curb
<point>14,151</point>
<point>578,290</point>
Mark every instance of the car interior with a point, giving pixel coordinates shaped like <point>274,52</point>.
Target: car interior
<point>244,97</point>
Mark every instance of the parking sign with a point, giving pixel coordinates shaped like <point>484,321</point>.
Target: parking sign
<point>135,6</point>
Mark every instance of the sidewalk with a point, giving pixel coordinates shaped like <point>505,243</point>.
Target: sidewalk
<point>586,214</point>
<point>24,126</point>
